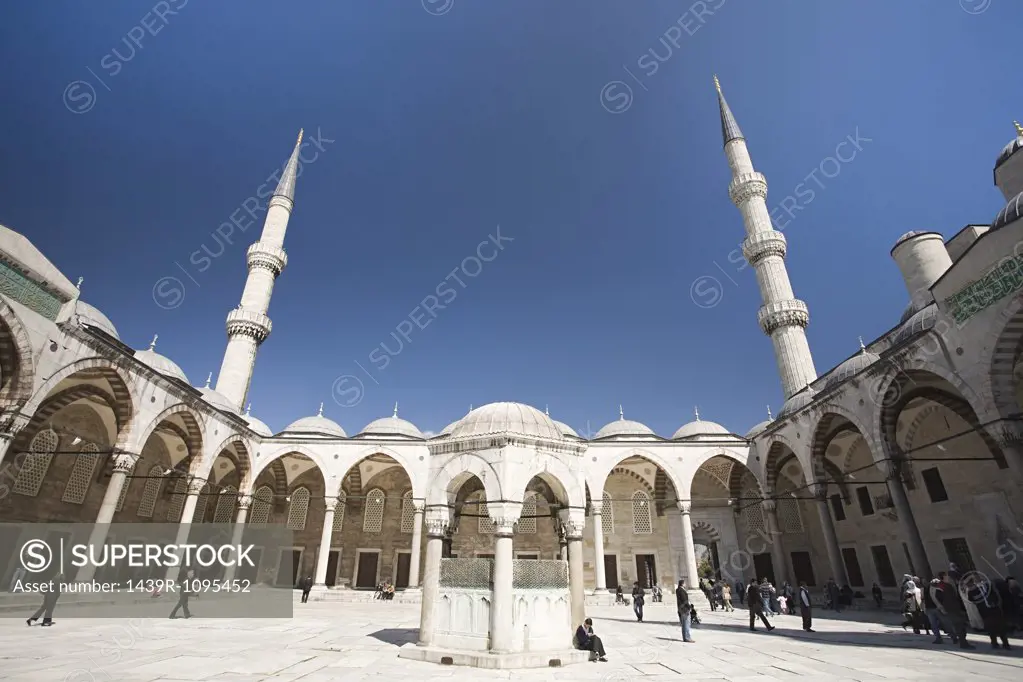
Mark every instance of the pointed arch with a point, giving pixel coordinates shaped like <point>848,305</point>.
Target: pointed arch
<point>193,434</point>
<point>444,486</point>
<point>17,362</point>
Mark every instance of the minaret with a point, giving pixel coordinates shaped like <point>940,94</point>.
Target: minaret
<point>783,317</point>
<point>247,325</point>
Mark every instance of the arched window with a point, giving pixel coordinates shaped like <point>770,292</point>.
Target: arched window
<point>752,511</point>
<point>225,505</point>
<point>527,520</point>
<point>200,505</point>
<point>37,463</point>
<point>177,500</point>
<point>642,522</point>
<point>261,501</point>
<point>339,511</point>
<point>373,514</point>
<point>128,478</point>
<point>789,518</point>
<point>298,509</point>
<point>408,513</point>
<point>154,483</point>
<point>607,518</point>
<point>81,474</point>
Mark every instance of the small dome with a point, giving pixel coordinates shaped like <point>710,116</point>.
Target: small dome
<point>851,367</point>
<point>624,428</point>
<point>1008,150</point>
<point>758,429</point>
<point>919,321</point>
<point>797,402</point>
<point>160,363</point>
<point>317,425</point>
<point>217,400</point>
<point>256,425</point>
<point>392,426</point>
<point>908,235</point>
<point>449,428</point>
<point>700,428</point>
<point>1012,212</point>
<point>566,430</point>
<point>91,316</point>
<point>514,418</point>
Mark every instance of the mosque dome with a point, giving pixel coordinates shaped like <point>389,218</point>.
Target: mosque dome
<point>160,363</point>
<point>392,426</point>
<point>1014,145</point>
<point>919,321</point>
<point>91,316</point>
<point>217,400</point>
<point>566,430</point>
<point>317,425</point>
<point>797,402</point>
<point>695,429</point>
<point>257,425</point>
<point>851,367</point>
<point>514,418</point>
<point>624,428</point>
<point>1012,212</point>
<point>758,429</point>
<point>449,428</point>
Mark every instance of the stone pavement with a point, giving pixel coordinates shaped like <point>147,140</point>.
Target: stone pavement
<point>356,642</point>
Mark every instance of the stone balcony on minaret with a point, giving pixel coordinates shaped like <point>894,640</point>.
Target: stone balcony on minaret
<point>250,323</point>
<point>268,257</point>
<point>761,245</point>
<point>745,186</point>
<point>790,313</point>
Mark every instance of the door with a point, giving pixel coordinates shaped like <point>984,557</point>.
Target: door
<point>646,570</point>
<point>802,567</point>
<point>332,561</point>
<point>366,577</point>
<point>401,573</point>
<point>715,561</point>
<point>883,564</point>
<point>852,567</point>
<point>246,572</point>
<point>287,568</point>
<point>611,571</point>
<point>764,566</point>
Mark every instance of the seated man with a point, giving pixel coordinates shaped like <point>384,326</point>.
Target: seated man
<point>587,641</point>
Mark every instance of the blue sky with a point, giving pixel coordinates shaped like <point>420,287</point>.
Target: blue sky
<point>443,126</point>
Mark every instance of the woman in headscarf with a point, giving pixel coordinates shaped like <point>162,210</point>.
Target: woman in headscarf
<point>912,609</point>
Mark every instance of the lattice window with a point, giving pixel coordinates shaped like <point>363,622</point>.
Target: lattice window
<point>127,484</point>
<point>200,505</point>
<point>37,463</point>
<point>642,521</point>
<point>789,517</point>
<point>261,502</point>
<point>154,483</point>
<point>607,519</point>
<point>486,525</point>
<point>298,509</point>
<point>752,511</point>
<point>177,500</point>
<point>81,475</point>
<point>339,511</point>
<point>527,521</point>
<point>373,512</point>
<point>408,513</point>
<point>225,505</point>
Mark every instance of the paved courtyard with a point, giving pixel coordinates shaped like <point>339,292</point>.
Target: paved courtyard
<point>342,641</point>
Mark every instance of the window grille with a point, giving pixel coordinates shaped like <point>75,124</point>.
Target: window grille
<point>408,513</point>
<point>298,509</point>
<point>607,518</point>
<point>373,512</point>
<point>177,500</point>
<point>486,525</point>
<point>339,511</point>
<point>81,475</point>
<point>154,483</point>
<point>527,520</point>
<point>789,517</point>
<point>37,463</point>
<point>261,502</point>
<point>642,522</point>
<point>199,515</point>
<point>753,511</point>
<point>225,505</point>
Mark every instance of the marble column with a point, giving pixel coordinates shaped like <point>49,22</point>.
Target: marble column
<point>437,522</point>
<point>907,521</point>
<point>417,545</point>
<point>562,543</point>
<point>781,574</point>
<point>574,522</point>
<point>123,464</point>
<point>504,515</point>
<point>820,492</point>
<point>326,535</point>
<point>688,546</point>
<point>244,502</point>
<point>195,486</point>
<point>600,579</point>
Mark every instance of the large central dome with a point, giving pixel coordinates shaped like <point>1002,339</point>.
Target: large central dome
<point>515,418</point>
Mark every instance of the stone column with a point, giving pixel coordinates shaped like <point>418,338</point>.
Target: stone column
<point>417,542</point>
<point>820,491</point>
<point>326,534</point>
<point>781,573</point>
<point>574,521</point>
<point>600,579</point>
<point>688,546</point>
<point>15,423</point>
<point>504,515</point>
<point>437,522</point>
<point>239,528</point>
<point>123,464</point>
<point>562,543</point>
<point>907,521</point>
<point>195,486</point>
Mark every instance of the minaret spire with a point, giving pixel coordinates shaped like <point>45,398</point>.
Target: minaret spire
<point>320,413</point>
<point>395,408</point>
<point>696,411</point>
<point>248,324</point>
<point>152,344</point>
<point>209,378</point>
<point>783,317</point>
<point>770,417</point>
<point>621,412</point>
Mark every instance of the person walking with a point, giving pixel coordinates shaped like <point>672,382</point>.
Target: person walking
<point>912,608</point>
<point>684,610</point>
<point>740,592</point>
<point>766,593</point>
<point>934,616</point>
<point>990,604</point>
<point>875,591</point>
<point>834,595</point>
<point>756,606</point>
<point>805,607</point>
<point>726,597</point>
<point>307,586</point>
<point>951,605</point>
<point>186,592</point>
<point>638,597</point>
<point>50,598</point>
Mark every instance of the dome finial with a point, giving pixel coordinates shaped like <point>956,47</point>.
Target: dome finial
<point>152,344</point>
<point>320,413</point>
<point>621,412</point>
<point>395,408</point>
<point>248,409</point>
<point>863,349</point>
<point>696,411</point>
<point>78,284</point>
<point>769,415</point>
<point>470,408</point>
<point>1019,128</point>
<point>546,410</point>
<point>209,377</point>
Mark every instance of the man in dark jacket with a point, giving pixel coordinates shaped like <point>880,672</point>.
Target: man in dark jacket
<point>951,605</point>
<point>740,592</point>
<point>805,608</point>
<point>684,610</point>
<point>638,597</point>
<point>587,641</point>
<point>307,586</point>
<point>49,601</point>
<point>186,588</point>
<point>756,606</point>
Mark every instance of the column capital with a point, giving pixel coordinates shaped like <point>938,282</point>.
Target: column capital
<point>244,502</point>
<point>504,515</point>
<point>685,506</point>
<point>330,503</point>
<point>596,507</point>
<point>573,521</point>
<point>124,462</point>
<point>770,506</point>
<point>195,485</point>
<point>438,521</point>
<point>418,506</point>
<point>819,490</point>
<point>12,422</point>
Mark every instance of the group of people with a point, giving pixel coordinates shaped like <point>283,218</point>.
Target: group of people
<point>385,591</point>
<point>940,605</point>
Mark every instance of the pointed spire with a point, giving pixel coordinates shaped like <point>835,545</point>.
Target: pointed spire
<point>470,408</point>
<point>863,349</point>
<point>621,412</point>
<point>152,344</point>
<point>696,411</point>
<point>286,187</point>
<point>78,284</point>
<point>546,410</point>
<point>248,410</point>
<point>729,128</point>
<point>320,413</point>
<point>395,408</point>
<point>1019,128</point>
<point>770,417</point>
<point>209,377</point>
